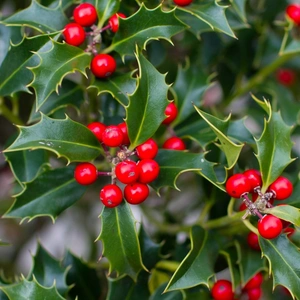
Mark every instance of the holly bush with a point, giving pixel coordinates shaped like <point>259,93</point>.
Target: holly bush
<point>226,74</point>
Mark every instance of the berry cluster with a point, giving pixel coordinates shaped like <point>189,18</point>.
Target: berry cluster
<point>85,15</point>
<point>241,184</point>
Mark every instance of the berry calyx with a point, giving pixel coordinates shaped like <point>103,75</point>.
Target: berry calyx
<point>182,2</point>
<point>171,112</point>
<point>113,21</point>
<point>237,185</point>
<point>127,171</point>
<point>285,77</point>
<point>136,193</point>
<point>124,130</point>
<point>85,14</point>
<point>252,240</point>
<point>254,282</point>
<point>74,34</point>
<point>103,65</point>
<point>111,195</point>
<point>222,290</point>
<point>149,170</point>
<point>112,136</point>
<point>293,12</point>
<point>97,129</point>
<point>269,227</point>
<point>254,178</point>
<point>174,143</point>
<point>282,188</point>
<point>85,173</point>
<point>254,294</point>
<point>148,149</point>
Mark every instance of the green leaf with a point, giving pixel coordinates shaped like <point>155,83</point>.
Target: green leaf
<point>148,102</point>
<point>48,271</point>
<point>198,266</point>
<point>290,43</point>
<point>30,290</point>
<point>283,257</point>
<point>239,7</point>
<point>220,128</point>
<point>106,8</point>
<point>173,295</point>
<point>14,73</point>
<point>49,194</point>
<point>55,64</point>
<point>134,31</point>
<point>173,163</point>
<point>118,86</point>
<point>39,17</point>
<point>120,242</point>
<point>285,212</point>
<point>65,138</point>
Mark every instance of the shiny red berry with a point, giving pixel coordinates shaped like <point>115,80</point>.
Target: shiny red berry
<point>286,77</point>
<point>222,290</point>
<point>171,112</point>
<point>174,143</point>
<point>182,2</point>
<point>114,21</point>
<point>254,178</point>
<point>85,173</point>
<point>127,171</point>
<point>269,227</point>
<point>148,149</point>
<point>254,282</point>
<point>124,130</point>
<point>282,188</point>
<point>252,240</point>
<point>97,129</point>
<point>237,185</point>
<point>111,195</point>
<point>149,170</point>
<point>103,65</point>
<point>254,294</point>
<point>74,34</point>
<point>136,193</point>
<point>85,14</point>
<point>289,231</point>
<point>112,136</point>
<point>293,12</point>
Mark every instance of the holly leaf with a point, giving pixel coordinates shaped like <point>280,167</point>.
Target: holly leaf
<point>25,290</point>
<point>39,17</point>
<point>14,73</point>
<point>106,9</point>
<point>148,102</point>
<point>55,64</point>
<point>49,194</point>
<point>173,163</point>
<point>239,6</point>
<point>48,271</point>
<point>173,295</point>
<point>284,263</point>
<point>204,253</point>
<point>120,242</point>
<point>285,212</point>
<point>118,86</point>
<point>134,31</point>
<point>65,138</point>
<point>220,128</point>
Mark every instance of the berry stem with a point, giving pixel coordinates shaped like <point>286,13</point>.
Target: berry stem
<point>105,28</point>
<point>107,153</point>
<point>251,206</point>
<point>104,173</point>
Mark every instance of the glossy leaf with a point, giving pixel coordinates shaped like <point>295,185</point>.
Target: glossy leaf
<point>106,9</point>
<point>65,138</point>
<point>283,262</point>
<point>173,295</point>
<point>148,102</point>
<point>239,7</point>
<point>286,212</point>
<point>55,64</point>
<point>173,163</point>
<point>39,17</point>
<point>120,242</point>
<point>49,194</point>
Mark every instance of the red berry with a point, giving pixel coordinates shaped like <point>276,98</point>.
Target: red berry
<point>183,2</point>
<point>127,171</point>
<point>111,195</point>
<point>85,14</point>
<point>282,188</point>
<point>254,294</point>
<point>112,136</point>
<point>103,65</point>
<point>85,173</point>
<point>289,231</point>
<point>171,113</point>
<point>285,77</point>
<point>149,170</point>
<point>97,129</point>
<point>136,193</point>
<point>174,143</point>
<point>114,21</point>
<point>148,149</point>
<point>124,130</point>
<point>222,290</point>
<point>252,240</point>
<point>254,282</point>
<point>293,12</point>
<point>269,227</point>
<point>74,34</point>
<point>254,178</point>
<point>237,185</point>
